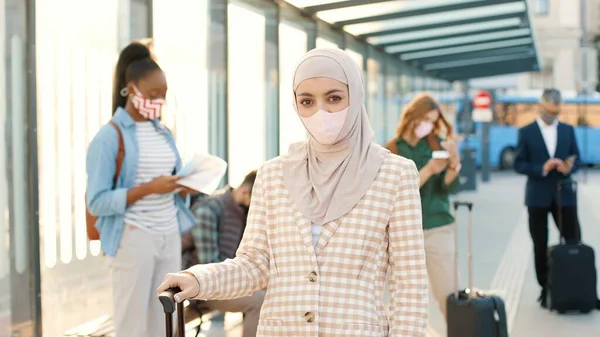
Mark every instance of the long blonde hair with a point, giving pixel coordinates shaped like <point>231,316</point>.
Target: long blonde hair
<point>416,109</point>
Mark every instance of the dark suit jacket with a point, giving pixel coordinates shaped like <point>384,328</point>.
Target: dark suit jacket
<point>530,158</point>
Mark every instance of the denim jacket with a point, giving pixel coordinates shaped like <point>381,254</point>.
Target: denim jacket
<point>110,204</point>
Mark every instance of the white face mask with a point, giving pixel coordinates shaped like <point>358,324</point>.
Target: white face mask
<point>423,129</point>
<point>325,126</point>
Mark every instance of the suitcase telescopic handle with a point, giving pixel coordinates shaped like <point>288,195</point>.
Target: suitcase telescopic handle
<point>559,202</point>
<point>167,300</point>
<point>458,204</point>
<point>469,206</point>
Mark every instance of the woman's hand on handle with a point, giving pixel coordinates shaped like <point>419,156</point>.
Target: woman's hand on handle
<point>187,282</point>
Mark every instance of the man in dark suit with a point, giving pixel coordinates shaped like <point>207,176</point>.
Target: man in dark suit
<point>547,153</point>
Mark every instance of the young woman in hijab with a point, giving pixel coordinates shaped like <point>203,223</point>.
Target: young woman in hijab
<point>418,134</point>
<point>326,222</point>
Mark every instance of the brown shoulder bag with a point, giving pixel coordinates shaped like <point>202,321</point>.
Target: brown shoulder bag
<point>90,220</point>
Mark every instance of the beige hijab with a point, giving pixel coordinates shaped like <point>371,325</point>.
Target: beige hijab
<point>327,181</point>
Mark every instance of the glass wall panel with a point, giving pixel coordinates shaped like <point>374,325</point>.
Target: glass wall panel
<point>325,43</point>
<point>217,78</point>
<point>372,74</point>
<point>427,85</point>
<point>134,20</point>
<point>435,86</point>
<point>140,23</point>
<point>185,64</point>
<point>448,102</point>
<point>393,98</point>
<point>292,46</point>
<point>357,50</point>
<point>417,85</point>
<point>246,91</point>
<point>404,87</point>
<point>15,250</point>
<point>74,79</point>
<point>328,37</point>
<point>5,265</point>
<point>272,85</point>
<point>357,57</point>
<point>376,98</point>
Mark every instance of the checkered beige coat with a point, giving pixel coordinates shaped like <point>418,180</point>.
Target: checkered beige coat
<point>335,289</point>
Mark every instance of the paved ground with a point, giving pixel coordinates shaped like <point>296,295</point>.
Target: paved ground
<point>502,259</point>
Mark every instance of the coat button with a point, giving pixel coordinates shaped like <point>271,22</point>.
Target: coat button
<point>309,316</point>
<point>312,277</point>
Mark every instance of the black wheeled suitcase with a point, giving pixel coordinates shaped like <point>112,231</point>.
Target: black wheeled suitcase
<point>572,274</point>
<point>169,307</point>
<point>468,313</point>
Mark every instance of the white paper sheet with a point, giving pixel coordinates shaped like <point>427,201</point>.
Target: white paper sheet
<point>203,173</point>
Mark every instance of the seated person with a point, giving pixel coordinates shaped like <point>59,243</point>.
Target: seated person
<point>220,224</point>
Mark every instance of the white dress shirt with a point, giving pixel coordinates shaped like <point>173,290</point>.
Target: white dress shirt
<point>550,134</point>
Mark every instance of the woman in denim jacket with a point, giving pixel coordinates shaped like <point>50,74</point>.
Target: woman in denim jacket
<point>141,217</point>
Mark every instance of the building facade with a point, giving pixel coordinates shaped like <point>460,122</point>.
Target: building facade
<point>558,27</point>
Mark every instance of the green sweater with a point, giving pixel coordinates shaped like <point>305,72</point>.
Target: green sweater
<point>434,193</point>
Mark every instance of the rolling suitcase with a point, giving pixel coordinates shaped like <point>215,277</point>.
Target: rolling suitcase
<point>468,313</point>
<point>572,278</point>
<point>169,307</point>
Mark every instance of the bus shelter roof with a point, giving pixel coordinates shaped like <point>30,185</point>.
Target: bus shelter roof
<point>449,39</point>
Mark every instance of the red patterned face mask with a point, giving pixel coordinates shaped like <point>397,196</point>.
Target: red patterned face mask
<point>148,108</point>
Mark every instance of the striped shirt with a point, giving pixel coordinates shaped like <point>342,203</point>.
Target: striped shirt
<point>156,212</point>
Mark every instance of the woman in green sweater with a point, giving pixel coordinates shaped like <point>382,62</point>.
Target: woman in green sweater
<point>421,131</point>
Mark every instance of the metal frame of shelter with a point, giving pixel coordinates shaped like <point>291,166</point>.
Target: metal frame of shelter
<point>453,40</point>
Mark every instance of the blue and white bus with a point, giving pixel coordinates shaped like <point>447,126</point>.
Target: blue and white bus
<point>513,112</point>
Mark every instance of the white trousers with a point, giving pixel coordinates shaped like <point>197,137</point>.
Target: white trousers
<point>143,259</point>
<point>439,252</point>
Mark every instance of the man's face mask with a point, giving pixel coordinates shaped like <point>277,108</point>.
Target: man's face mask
<point>550,105</point>
<point>550,112</point>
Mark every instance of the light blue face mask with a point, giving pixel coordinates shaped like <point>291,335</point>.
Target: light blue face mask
<point>548,118</point>
<point>550,96</point>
